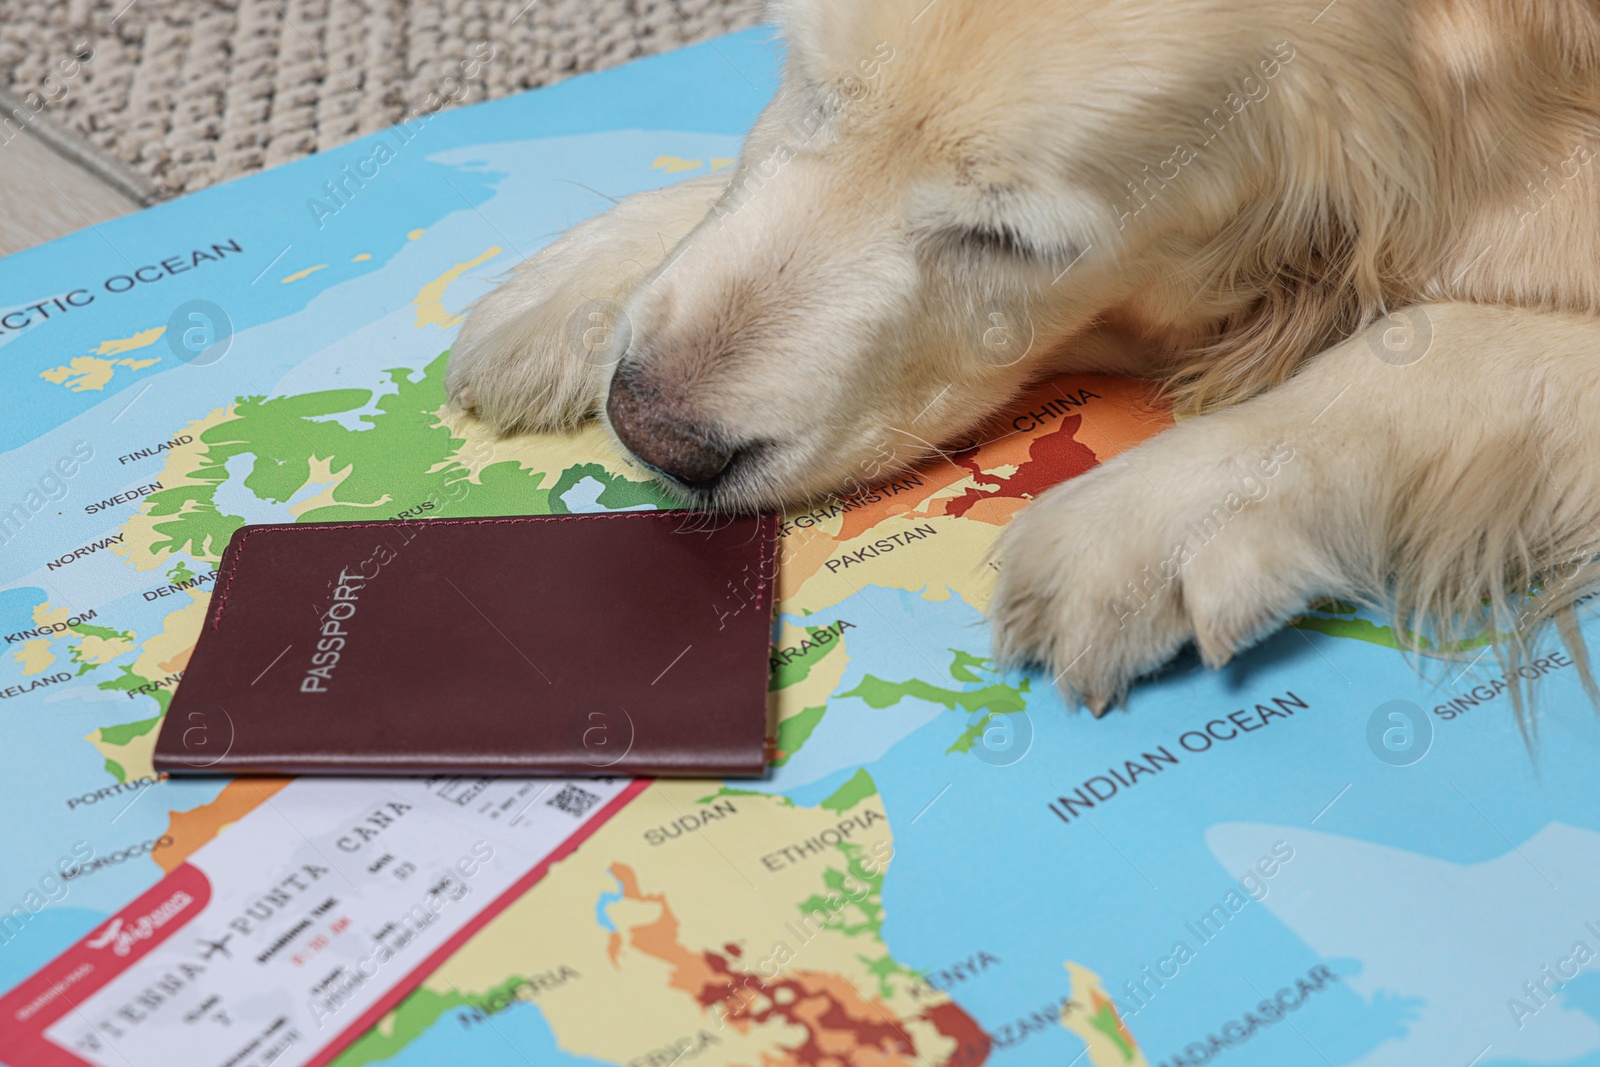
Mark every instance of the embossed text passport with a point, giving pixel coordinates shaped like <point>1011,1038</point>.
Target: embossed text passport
<point>626,643</point>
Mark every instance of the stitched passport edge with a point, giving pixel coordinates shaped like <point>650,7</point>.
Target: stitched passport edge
<point>769,595</point>
<point>767,529</point>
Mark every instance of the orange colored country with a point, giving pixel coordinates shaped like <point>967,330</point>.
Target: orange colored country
<point>193,828</point>
<point>1056,430</point>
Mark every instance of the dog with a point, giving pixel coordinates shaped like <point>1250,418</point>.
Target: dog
<point>1357,241</point>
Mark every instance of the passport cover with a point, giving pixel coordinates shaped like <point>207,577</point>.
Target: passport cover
<point>628,643</point>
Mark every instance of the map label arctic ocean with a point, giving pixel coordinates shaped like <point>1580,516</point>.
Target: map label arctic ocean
<point>58,306</point>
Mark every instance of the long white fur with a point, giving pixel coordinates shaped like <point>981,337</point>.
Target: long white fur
<point>1243,198</point>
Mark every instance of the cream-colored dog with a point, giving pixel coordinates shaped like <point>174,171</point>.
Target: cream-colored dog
<point>1362,236</point>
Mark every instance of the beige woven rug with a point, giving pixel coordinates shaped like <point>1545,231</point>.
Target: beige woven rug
<point>186,93</point>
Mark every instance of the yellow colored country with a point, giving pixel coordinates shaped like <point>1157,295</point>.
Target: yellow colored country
<point>134,757</point>
<point>724,938</point>
<point>676,164</point>
<point>297,275</point>
<point>140,535</point>
<point>119,346</point>
<point>83,374</point>
<point>1090,1014</point>
<point>430,299</point>
<point>34,655</point>
<point>193,828</point>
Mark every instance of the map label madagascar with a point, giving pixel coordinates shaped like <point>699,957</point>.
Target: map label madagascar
<point>1101,788</point>
<point>1269,1012</point>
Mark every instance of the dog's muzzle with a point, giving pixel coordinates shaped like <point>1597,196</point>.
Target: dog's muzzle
<point>671,446</point>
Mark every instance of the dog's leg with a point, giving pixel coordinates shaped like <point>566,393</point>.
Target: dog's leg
<point>534,353</point>
<point>1446,458</point>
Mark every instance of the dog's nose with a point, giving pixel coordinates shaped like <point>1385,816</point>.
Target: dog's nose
<point>678,449</point>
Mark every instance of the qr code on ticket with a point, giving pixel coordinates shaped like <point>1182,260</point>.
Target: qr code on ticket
<point>573,800</point>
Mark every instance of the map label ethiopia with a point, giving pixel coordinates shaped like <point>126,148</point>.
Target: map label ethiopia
<point>820,845</point>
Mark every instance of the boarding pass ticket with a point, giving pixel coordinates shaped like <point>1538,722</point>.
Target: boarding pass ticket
<point>288,935</point>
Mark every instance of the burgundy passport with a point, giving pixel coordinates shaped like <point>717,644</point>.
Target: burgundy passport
<point>630,643</point>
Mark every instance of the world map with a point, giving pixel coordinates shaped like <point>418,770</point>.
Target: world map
<point>945,866</point>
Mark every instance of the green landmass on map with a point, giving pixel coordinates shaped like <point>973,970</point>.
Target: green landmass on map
<point>795,731</point>
<point>1336,618</point>
<point>995,698</point>
<point>410,1020</point>
<point>853,906</point>
<point>798,667</point>
<point>400,457</point>
<point>89,629</point>
<point>732,791</point>
<point>857,788</point>
<point>127,680</point>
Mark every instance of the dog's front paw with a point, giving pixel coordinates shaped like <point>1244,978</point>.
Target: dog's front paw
<point>536,353</point>
<point>1106,577</point>
<point>532,354</point>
